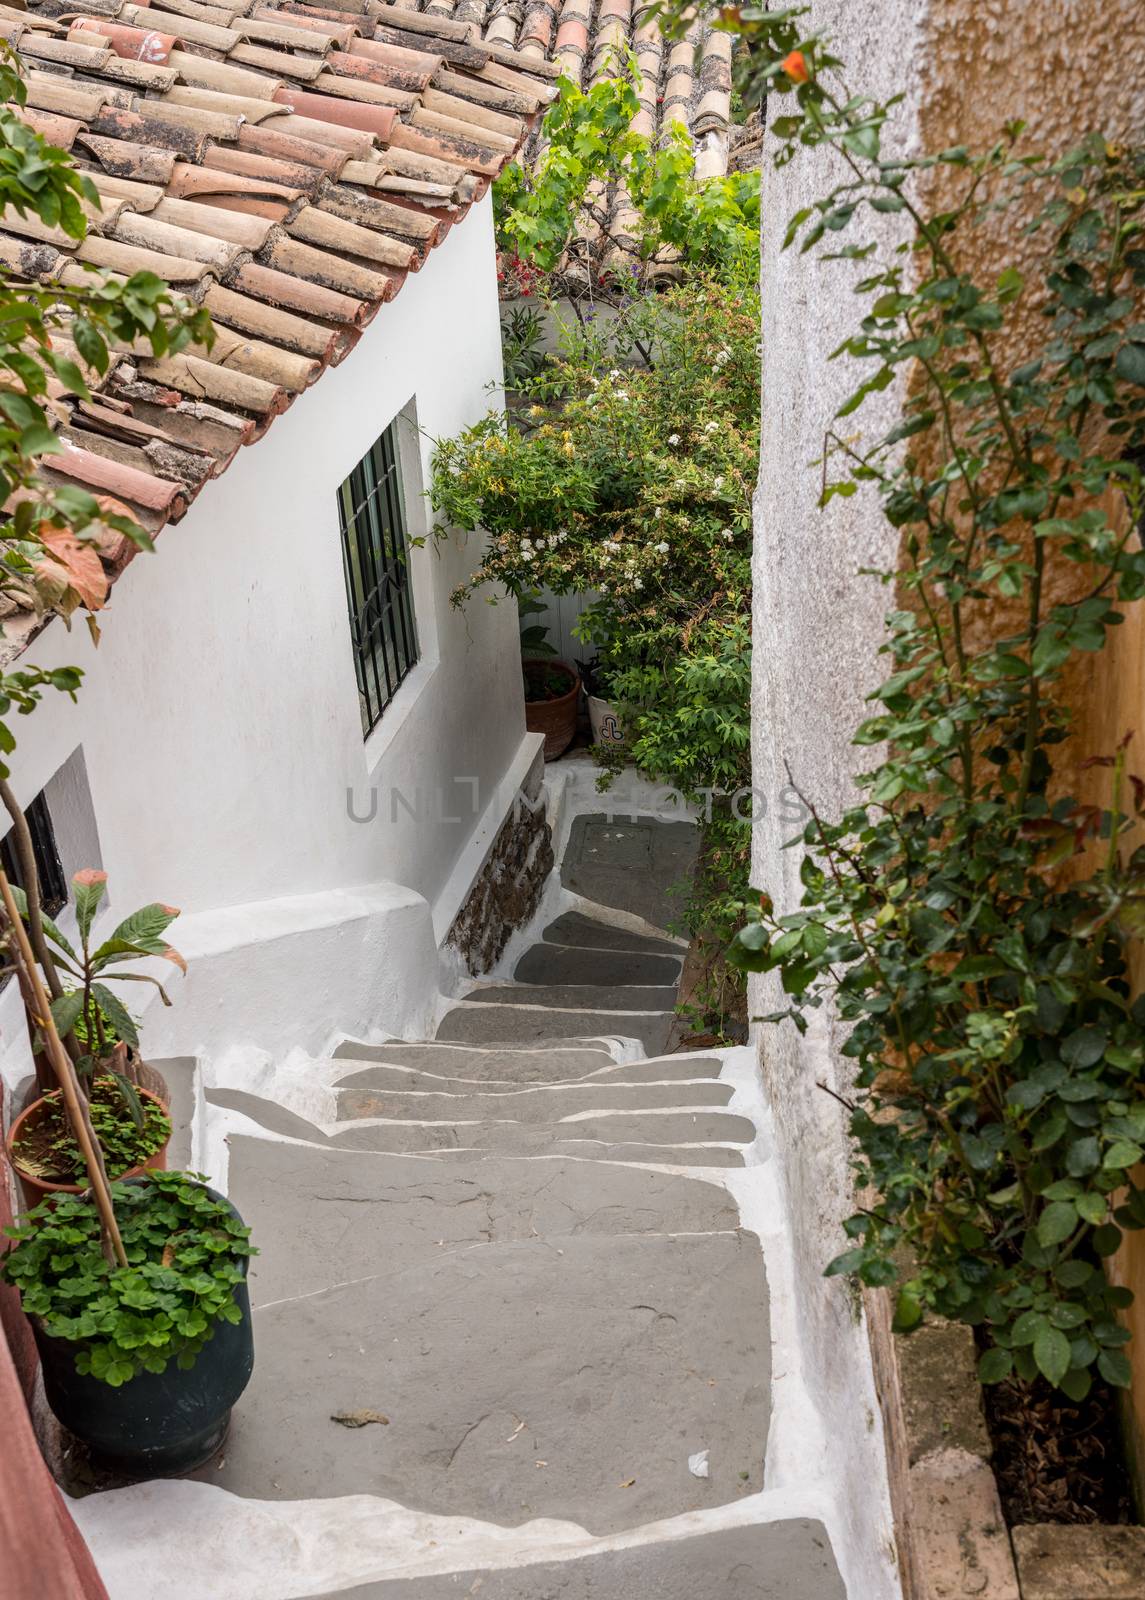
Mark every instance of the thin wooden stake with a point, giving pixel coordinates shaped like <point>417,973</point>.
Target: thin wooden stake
<point>36,1001</point>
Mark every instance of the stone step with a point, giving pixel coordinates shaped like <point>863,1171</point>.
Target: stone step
<point>267,1113</point>
<point>574,928</point>
<point>548,1103</point>
<point>565,1377</point>
<point>458,1063</point>
<point>557,964</point>
<point>673,1069</point>
<point>576,996</point>
<point>620,1138</point>
<point>650,1130</point>
<point>510,1025</point>
<point>789,1560</point>
<point>432,1057</point>
<point>696,1156</point>
<point>322,1215</point>
<point>631,865</point>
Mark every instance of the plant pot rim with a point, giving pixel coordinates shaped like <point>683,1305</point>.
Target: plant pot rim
<point>44,1184</point>
<point>554,661</point>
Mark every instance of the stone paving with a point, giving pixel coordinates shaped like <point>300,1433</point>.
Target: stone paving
<point>511,1245</point>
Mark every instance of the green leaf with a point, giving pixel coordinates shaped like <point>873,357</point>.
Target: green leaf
<point>1092,1208</point>
<point>1130,364</point>
<point>1115,1369</point>
<point>116,1013</point>
<point>146,927</point>
<point>1052,1354</point>
<point>1123,1153</point>
<point>995,1366</point>
<point>89,888</point>
<point>66,1012</point>
<point>1077,1383</point>
<point>50,928</point>
<point>1056,1223</point>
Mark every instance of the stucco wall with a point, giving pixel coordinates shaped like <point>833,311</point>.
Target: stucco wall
<point>966,66</point>
<point>219,717</point>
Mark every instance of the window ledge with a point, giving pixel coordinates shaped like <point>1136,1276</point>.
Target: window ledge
<point>394,717</point>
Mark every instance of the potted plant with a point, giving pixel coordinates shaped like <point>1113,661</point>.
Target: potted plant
<point>127,1101</point>
<point>142,1363</point>
<point>552,687</point>
<point>603,715</point>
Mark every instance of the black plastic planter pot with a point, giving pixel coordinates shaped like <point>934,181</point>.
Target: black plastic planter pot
<point>157,1423</point>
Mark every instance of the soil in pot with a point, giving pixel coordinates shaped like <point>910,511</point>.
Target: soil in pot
<point>47,1158</point>
<point>552,690</point>
<point>1057,1460</point>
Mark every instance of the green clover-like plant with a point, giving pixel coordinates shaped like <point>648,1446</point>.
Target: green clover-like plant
<point>186,1252</point>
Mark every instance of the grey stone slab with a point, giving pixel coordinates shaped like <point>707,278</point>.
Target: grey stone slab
<point>575,929</point>
<point>661,1069</point>
<point>540,1138</point>
<point>631,865</point>
<point>549,1103</point>
<point>461,1061</point>
<point>521,1025</point>
<point>620,1356</point>
<point>665,1070</point>
<point>790,1560</point>
<point>550,964</point>
<point>267,1113</point>
<point>574,996</point>
<point>697,1156</point>
<point>322,1215</point>
<point>179,1075</point>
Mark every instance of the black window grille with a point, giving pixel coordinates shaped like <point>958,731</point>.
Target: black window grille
<point>49,869</point>
<point>374,552</point>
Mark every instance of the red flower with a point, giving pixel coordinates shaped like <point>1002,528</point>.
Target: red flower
<point>795,66</point>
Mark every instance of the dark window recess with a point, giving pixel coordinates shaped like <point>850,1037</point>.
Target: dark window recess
<point>374,553</point>
<point>53,884</point>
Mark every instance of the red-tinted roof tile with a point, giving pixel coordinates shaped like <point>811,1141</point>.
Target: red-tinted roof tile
<point>284,165</point>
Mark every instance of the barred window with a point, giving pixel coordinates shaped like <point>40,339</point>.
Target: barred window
<point>374,552</point>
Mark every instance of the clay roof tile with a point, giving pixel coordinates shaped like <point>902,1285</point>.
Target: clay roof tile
<point>285,166</point>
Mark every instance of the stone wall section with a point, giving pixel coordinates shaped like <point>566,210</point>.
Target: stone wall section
<point>508,888</point>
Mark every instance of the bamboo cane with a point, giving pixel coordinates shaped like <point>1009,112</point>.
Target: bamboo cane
<point>38,1007</point>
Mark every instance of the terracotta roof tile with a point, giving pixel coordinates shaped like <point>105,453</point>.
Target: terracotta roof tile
<point>285,165</point>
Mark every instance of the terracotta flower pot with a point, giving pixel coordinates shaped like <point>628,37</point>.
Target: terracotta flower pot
<point>35,1189</point>
<point>556,717</point>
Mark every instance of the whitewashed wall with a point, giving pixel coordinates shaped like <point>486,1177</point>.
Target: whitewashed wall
<point>219,719</point>
<point>817,627</point>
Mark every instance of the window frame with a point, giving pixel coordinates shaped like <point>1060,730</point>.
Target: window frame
<point>379,586</point>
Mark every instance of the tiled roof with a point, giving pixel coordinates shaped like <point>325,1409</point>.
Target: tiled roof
<point>283,164</point>
<point>688,82</point>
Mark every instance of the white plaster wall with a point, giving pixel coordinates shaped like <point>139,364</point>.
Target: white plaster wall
<point>219,718</point>
<point>817,626</point>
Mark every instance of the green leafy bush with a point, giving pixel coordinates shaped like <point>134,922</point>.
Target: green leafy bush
<point>969,919</point>
<point>633,484</point>
<point>185,1251</point>
<point>590,153</point>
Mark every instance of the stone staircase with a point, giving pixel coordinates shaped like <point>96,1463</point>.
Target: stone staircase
<point>510,1248</point>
